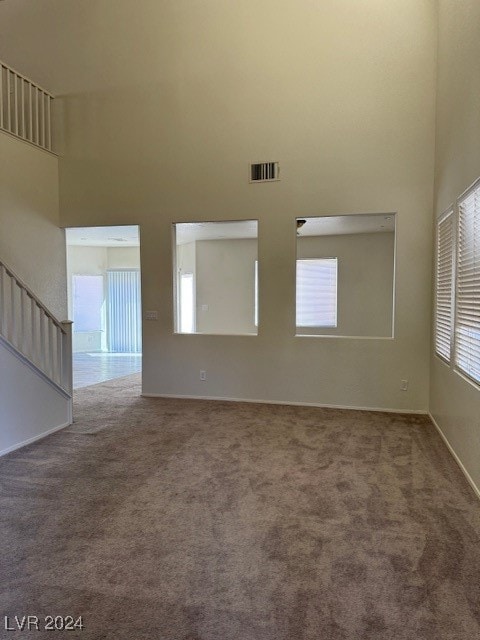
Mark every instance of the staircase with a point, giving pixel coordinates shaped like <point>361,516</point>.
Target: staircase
<point>35,366</point>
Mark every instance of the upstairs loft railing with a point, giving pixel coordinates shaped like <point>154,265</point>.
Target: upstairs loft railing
<point>29,327</point>
<point>25,108</point>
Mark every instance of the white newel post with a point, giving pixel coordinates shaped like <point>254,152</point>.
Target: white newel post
<point>67,370</point>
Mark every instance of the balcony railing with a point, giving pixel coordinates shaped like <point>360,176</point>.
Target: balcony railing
<point>25,108</point>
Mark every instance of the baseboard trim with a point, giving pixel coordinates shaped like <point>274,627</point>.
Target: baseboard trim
<point>19,445</point>
<point>455,457</point>
<point>285,402</point>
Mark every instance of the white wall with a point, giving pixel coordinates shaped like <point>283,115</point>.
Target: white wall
<point>165,107</point>
<point>86,261</point>
<point>31,406</point>
<point>186,257</point>
<point>225,277</point>
<point>454,402</point>
<point>123,257</point>
<point>31,242</point>
<point>225,283</point>
<point>33,245</point>
<point>365,280</point>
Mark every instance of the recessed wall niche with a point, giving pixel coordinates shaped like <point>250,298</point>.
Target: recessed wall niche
<point>215,277</point>
<point>345,275</point>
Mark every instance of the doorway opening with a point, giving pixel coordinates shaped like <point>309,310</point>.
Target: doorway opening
<point>104,302</point>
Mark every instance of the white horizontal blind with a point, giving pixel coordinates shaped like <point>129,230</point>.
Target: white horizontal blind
<point>444,286</point>
<point>467,326</point>
<point>317,292</point>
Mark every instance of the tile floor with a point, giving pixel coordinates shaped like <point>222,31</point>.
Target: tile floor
<point>93,368</point>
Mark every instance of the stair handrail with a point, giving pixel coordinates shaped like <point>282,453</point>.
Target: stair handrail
<point>59,323</point>
<point>31,330</point>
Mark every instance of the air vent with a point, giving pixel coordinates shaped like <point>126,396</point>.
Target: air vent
<point>264,172</point>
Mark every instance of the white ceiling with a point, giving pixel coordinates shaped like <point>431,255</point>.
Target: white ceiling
<point>193,231</point>
<point>128,236</point>
<point>322,226</point>
<point>345,225</point>
<point>124,236</point>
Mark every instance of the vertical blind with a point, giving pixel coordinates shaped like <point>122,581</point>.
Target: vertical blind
<point>444,286</point>
<point>317,292</point>
<point>124,311</point>
<point>467,312</point>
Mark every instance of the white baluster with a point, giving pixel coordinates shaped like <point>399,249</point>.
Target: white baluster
<point>42,341</point>
<point>51,348</point>
<point>49,123</point>
<point>58,361</point>
<point>31,327</point>
<point>33,331</point>
<point>48,347</point>
<point>9,102</point>
<point>24,135</point>
<point>23,329</point>
<point>11,319</point>
<point>37,128</point>
<point>42,118</point>
<point>30,113</point>
<point>1,96</point>
<point>38,339</point>
<point>15,98</point>
<point>67,373</point>
<point>3,301</point>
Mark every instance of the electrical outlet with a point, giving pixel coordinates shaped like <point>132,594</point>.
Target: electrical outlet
<point>203,375</point>
<point>404,385</point>
<point>151,315</point>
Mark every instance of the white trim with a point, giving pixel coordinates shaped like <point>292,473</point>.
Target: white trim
<point>455,457</point>
<point>19,445</point>
<point>286,402</point>
<point>468,190</point>
<point>455,339</point>
<point>333,335</point>
<point>441,218</point>
<point>34,84</point>
<point>29,142</point>
<point>444,214</point>
<point>217,335</point>
<point>31,365</point>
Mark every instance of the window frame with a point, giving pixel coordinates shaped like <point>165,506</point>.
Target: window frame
<point>476,260</point>
<point>177,273</point>
<point>449,213</point>
<point>191,276</point>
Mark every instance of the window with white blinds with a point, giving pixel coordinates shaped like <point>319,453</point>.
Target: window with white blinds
<point>467,312</point>
<point>317,292</point>
<point>444,285</point>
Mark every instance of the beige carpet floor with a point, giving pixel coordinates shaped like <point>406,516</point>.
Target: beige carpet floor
<point>195,520</point>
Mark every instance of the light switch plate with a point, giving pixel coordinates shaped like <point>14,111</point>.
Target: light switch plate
<point>151,315</point>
